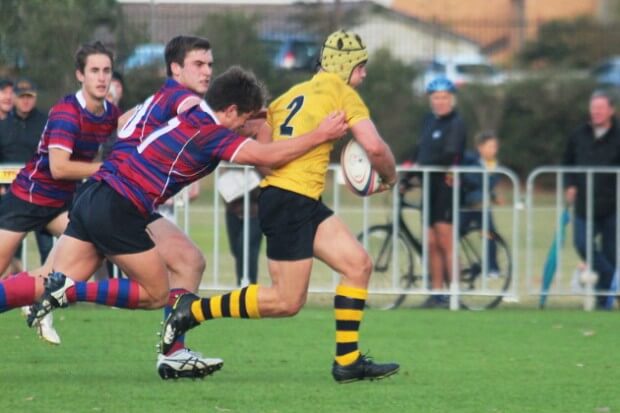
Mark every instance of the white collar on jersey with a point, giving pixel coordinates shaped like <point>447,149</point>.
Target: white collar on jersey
<point>79,95</point>
<point>206,108</point>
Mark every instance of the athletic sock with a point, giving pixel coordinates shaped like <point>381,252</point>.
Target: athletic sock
<point>116,292</point>
<point>16,291</point>
<point>179,343</point>
<point>349,310</point>
<point>242,303</point>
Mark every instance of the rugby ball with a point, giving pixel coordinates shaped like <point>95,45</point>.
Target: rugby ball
<point>358,174</point>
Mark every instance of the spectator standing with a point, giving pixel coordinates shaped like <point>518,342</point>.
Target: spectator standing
<point>596,143</point>
<point>442,143</point>
<point>20,133</point>
<point>472,184</point>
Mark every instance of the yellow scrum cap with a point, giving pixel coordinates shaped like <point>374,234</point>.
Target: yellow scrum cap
<point>341,52</point>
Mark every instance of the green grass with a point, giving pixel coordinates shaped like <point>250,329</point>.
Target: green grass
<point>504,361</point>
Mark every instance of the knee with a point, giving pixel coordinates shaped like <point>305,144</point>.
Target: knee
<point>366,266</point>
<point>195,260</point>
<point>291,306</point>
<point>188,259</point>
<point>359,268</point>
<point>156,299</point>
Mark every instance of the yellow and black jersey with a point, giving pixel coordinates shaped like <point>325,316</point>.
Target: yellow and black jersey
<point>300,110</point>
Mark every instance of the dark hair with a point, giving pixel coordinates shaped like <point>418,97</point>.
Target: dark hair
<point>605,95</point>
<point>485,136</point>
<point>4,83</point>
<point>178,47</point>
<point>88,49</point>
<point>118,76</point>
<point>236,86</point>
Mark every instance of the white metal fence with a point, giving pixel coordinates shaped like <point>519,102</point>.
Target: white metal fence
<point>206,226</point>
<point>553,267</point>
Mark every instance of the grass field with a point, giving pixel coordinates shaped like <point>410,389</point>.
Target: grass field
<point>507,360</point>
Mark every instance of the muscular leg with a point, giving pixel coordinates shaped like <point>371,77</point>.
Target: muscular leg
<point>181,256</point>
<point>8,246</point>
<point>337,247</point>
<point>184,261</point>
<point>147,287</point>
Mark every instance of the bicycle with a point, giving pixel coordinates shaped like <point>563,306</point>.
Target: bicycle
<point>471,276</point>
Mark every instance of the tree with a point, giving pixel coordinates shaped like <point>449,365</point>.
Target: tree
<point>388,93</point>
<point>576,43</point>
<point>39,38</point>
<point>539,116</point>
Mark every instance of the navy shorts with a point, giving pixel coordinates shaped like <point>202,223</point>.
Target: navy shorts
<point>289,222</point>
<point>18,215</point>
<point>108,220</point>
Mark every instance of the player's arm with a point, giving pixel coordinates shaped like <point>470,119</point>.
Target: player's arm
<point>62,167</point>
<point>188,103</point>
<point>122,120</point>
<point>379,153</point>
<point>276,154</point>
<point>258,128</point>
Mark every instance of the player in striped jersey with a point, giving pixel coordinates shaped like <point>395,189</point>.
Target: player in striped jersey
<point>189,62</point>
<point>76,126</point>
<point>110,217</point>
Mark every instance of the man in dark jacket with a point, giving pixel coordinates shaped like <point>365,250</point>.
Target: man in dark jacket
<point>19,137</point>
<point>596,144</point>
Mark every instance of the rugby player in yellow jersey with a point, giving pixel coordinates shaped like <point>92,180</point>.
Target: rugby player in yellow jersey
<point>297,224</point>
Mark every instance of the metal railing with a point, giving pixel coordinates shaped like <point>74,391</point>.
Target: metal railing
<point>563,256</point>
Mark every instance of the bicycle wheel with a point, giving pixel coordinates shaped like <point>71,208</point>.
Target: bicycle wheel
<point>380,247</point>
<point>472,276</point>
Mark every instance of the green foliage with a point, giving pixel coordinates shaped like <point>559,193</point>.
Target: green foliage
<point>235,41</point>
<point>482,107</point>
<point>141,83</point>
<point>576,43</point>
<point>388,93</point>
<point>539,114</point>
<point>43,35</point>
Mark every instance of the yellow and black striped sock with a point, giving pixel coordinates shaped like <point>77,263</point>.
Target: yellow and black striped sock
<point>241,303</point>
<point>349,308</point>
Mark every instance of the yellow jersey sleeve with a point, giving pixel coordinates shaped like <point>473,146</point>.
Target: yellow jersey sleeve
<point>300,110</point>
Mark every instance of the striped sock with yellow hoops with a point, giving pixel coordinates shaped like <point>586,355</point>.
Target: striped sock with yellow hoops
<point>242,303</point>
<point>349,308</point>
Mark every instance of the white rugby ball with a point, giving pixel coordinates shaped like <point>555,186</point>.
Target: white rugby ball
<point>357,171</point>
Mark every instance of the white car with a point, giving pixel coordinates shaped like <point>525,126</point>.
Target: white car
<point>460,70</point>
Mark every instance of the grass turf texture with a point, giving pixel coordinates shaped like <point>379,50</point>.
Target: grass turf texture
<point>505,361</point>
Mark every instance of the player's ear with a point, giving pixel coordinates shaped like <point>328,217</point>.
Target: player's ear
<point>232,110</point>
<point>79,76</point>
<point>175,68</point>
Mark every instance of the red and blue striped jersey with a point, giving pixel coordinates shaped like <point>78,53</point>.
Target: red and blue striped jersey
<point>72,128</point>
<point>156,110</point>
<point>188,147</point>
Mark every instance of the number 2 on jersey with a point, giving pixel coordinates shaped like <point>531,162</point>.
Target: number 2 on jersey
<point>294,106</point>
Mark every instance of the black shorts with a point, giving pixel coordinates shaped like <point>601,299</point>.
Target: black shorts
<point>108,220</point>
<point>21,216</point>
<point>154,216</point>
<point>289,222</point>
<point>440,200</point>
